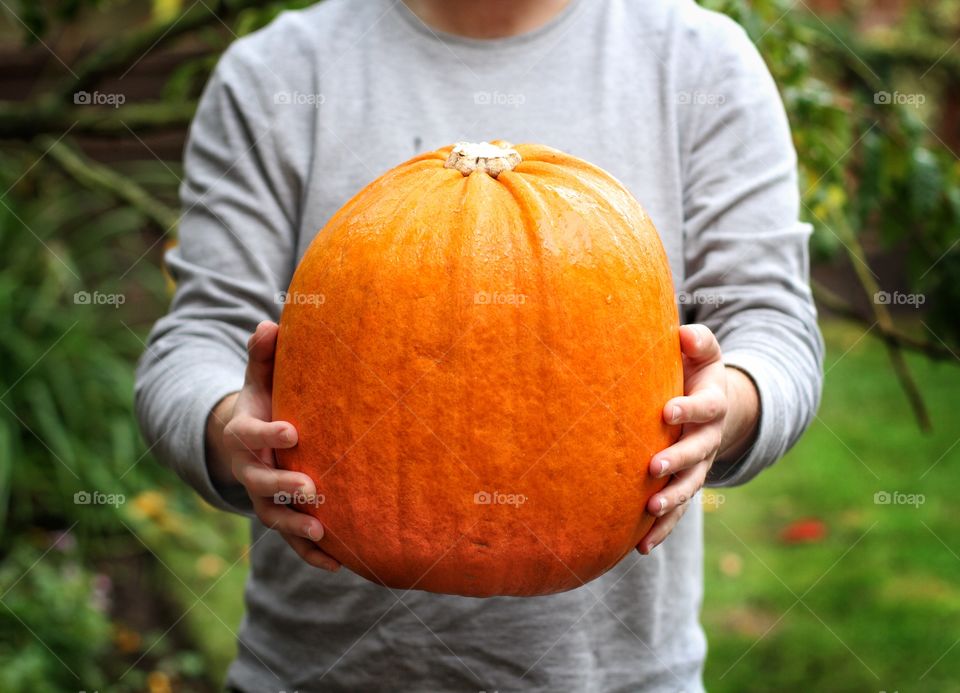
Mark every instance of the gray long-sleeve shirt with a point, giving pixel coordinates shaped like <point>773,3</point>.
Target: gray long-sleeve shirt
<point>671,99</point>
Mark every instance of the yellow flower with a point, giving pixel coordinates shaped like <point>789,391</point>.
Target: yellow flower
<point>158,682</point>
<point>126,639</point>
<point>166,10</point>
<point>209,565</point>
<point>150,504</point>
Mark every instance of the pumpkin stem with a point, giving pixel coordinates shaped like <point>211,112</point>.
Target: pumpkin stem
<point>492,159</point>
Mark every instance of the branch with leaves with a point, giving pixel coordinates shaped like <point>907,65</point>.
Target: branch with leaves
<point>56,111</point>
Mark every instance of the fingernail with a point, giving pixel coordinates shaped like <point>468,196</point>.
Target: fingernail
<point>663,506</point>
<point>314,533</point>
<point>699,332</point>
<point>286,437</point>
<point>675,413</point>
<point>664,467</point>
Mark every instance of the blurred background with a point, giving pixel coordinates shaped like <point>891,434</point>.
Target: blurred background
<point>838,570</point>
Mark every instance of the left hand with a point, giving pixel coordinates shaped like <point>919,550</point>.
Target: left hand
<point>719,414</point>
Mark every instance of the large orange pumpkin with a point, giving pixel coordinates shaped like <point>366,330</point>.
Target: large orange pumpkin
<point>476,351</point>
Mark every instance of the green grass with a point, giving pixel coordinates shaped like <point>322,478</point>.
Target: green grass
<point>876,603</point>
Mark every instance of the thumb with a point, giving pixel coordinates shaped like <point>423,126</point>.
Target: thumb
<point>260,351</point>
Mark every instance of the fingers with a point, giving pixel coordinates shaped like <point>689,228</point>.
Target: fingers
<point>246,433</point>
<point>252,440</point>
<point>702,412</point>
<point>669,506</point>
<point>700,442</point>
<point>262,481</point>
<point>679,491</point>
<point>260,350</point>
<point>660,530</point>
<point>298,529</point>
<point>286,520</point>
<point>698,344</point>
<point>702,406</point>
<point>310,553</point>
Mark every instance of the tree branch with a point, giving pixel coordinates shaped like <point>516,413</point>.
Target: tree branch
<point>56,112</point>
<point>898,52</point>
<point>858,258</point>
<point>835,304</point>
<point>93,175</point>
<point>25,120</point>
<point>125,52</point>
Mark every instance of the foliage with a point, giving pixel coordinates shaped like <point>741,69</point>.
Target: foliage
<point>871,161</point>
<point>50,301</point>
<point>55,597</point>
<point>73,465</point>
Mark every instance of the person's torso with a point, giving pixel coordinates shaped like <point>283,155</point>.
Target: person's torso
<point>606,81</point>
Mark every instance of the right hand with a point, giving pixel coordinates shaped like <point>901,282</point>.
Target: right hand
<point>241,439</point>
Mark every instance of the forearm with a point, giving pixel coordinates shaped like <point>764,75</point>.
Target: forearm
<point>217,455</point>
<point>743,416</point>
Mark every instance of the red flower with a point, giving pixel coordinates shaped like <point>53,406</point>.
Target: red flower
<point>804,531</point>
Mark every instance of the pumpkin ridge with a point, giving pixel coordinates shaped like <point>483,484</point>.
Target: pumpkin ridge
<point>627,246</point>
<point>390,180</point>
<point>409,236</point>
<point>534,213</point>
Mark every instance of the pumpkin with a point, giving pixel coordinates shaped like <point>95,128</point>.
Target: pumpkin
<point>476,351</point>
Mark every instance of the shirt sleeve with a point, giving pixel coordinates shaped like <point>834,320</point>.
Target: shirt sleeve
<point>236,252</point>
<point>746,253</point>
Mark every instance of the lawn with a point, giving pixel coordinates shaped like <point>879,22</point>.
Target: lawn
<point>873,605</point>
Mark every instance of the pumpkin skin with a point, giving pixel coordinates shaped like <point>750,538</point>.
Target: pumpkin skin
<point>477,368</point>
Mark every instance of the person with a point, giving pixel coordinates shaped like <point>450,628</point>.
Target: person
<point>673,100</point>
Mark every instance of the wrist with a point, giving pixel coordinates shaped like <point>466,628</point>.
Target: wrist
<point>743,416</point>
<point>217,455</point>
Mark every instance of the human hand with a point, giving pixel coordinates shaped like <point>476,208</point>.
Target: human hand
<point>241,439</point>
<point>719,413</point>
